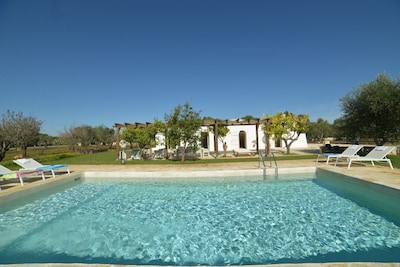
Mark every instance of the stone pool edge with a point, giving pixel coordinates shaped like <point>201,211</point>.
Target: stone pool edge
<point>15,193</point>
<point>197,173</point>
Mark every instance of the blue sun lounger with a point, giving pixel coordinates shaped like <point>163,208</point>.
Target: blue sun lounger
<point>6,173</point>
<point>31,164</point>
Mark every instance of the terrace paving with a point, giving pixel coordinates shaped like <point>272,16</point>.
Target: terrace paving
<point>380,174</point>
<point>377,174</point>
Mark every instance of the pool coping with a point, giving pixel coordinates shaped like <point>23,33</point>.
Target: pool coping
<point>28,189</point>
<point>197,173</point>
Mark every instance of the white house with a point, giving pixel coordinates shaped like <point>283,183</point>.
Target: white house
<point>244,137</point>
<point>239,138</point>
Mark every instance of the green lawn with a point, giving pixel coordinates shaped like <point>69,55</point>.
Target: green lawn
<point>57,155</point>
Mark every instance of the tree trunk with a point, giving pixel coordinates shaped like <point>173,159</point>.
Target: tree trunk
<point>3,149</point>
<point>287,149</point>
<point>321,138</point>
<point>24,151</point>
<point>289,142</point>
<point>183,155</point>
<point>2,154</point>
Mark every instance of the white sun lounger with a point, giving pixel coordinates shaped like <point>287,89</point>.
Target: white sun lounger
<point>378,154</point>
<point>243,152</point>
<point>31,164</point>
<point>350,151</point>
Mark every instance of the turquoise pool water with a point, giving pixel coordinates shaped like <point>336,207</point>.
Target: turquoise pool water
<point>203,222</point>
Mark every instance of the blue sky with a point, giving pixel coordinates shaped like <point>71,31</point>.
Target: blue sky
<point>98,62</point>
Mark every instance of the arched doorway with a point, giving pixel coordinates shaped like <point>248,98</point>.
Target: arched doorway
<point>242,139</point>
<point>278,142</point>
<point>204,140</point>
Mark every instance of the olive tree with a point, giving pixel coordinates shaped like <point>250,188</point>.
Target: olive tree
<point>143,137</point>
<point>104,135</point>
<point>319,130</point>
<point>373,110</point>
<point>81,136</point>
<point>287,127</point>
<point>68,137</point>
<point>46,140</point>
<point>182,129</point>
<point>85,135</point>
<point>18,130</point>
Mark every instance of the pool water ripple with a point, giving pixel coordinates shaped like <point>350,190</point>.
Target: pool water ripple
<point>195,223</point>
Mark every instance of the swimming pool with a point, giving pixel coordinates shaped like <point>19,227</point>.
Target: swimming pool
<point>225,221</point>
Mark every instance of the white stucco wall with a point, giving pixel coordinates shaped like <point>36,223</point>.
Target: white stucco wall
<point>232,139</point>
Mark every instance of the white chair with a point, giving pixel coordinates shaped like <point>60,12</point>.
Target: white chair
<point>348,152</point>
<point>378,154</point>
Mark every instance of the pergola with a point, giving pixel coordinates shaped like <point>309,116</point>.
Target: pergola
<point>207,122</point>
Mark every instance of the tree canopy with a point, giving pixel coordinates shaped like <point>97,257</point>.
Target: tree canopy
<point>373,110</point>
<point>183,123</point>
<point>18,130</point>
<point>142,137</point>
<point>287,127</point>
<point>81,137</point>
<point>319,130</point>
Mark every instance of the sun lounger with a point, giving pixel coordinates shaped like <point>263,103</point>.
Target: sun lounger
<point>31,164</point>
<point>243,152</point>
<point>349,152</point>
<point>378,154</point>
<point>6,173</point>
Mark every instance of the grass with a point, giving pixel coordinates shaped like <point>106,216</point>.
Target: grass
<point>58,155</point>
<point>395,160</point>
<point>110,157</point>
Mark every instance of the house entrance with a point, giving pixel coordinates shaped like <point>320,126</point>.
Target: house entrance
<point>242,139</point>
<point>204,140</point>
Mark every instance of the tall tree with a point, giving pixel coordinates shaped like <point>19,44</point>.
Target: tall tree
<point>319,130</point>
<point>373,110</point>
<point>287,127</point>
<point>18,130</point>
<point>6,141</point>
<point>104,135</point>
<point>85,135</point>
<point>144,137</point>
<point>82,136</point>
<point>183,125</point>
<point>161,135</point>
<point>222,130</point>
<point>68,137</point>
<point>46,140</point>
<point>340,131</point>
